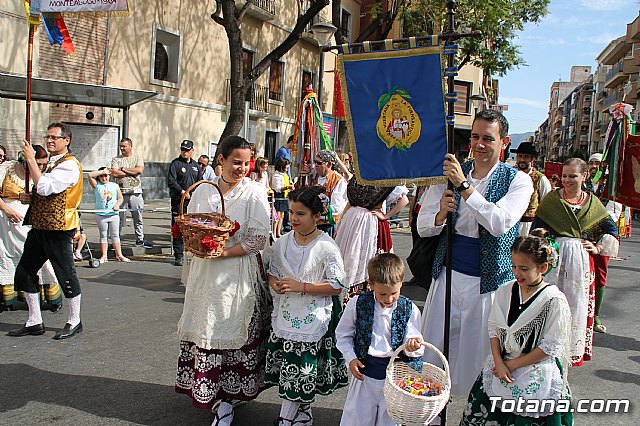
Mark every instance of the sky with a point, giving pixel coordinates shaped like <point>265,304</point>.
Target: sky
<point>572,33</point>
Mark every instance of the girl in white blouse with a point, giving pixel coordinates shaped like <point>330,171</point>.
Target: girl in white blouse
<point>304,276</point>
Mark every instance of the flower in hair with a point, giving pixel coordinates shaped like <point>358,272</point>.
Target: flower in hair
<point>552,253</point>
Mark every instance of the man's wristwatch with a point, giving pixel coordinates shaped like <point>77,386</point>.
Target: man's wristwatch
<point>463,186</point>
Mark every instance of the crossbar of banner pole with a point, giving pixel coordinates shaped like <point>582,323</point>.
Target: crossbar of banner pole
<point>441,37</point>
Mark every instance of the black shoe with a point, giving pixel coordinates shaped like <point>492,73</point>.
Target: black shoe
<point>144,243</point>
<point>68,331</point>
<point>32,330</point>
<point>55,307</point>
<point>178,261</point>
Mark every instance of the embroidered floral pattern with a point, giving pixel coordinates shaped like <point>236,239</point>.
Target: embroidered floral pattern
<point>303,369</point>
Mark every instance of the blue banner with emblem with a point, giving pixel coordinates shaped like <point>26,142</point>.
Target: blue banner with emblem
<point>395,115</point>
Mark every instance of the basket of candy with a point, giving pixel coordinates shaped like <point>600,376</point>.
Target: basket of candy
<point>416,398</point>
<point>205,234</point>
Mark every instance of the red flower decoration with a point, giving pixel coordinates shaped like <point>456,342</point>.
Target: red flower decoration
<point>175,231</point>
<point>209,244</point>
<point>236,227</point>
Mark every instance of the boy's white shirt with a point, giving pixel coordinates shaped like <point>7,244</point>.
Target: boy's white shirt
<point>381,332</point>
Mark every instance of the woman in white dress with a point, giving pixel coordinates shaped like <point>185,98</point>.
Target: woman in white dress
<point>581,225</point>
<point>364,229</point>
<point>225,321</point>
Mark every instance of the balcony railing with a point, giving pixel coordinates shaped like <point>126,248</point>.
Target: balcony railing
<point>617,68</point>
<point>264,10</point>
<point>611,99</point>
<point>257,97</point>
<point>268,5</point>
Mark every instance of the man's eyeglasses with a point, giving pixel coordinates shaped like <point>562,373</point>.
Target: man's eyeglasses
<point>319,163</point>
<point>185,149</point>
<point>52,137</point>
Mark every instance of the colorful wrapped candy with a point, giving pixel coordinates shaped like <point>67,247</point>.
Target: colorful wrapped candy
<point>419,386</point>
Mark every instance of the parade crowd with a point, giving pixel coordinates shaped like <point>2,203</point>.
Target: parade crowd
<point>305,296</point>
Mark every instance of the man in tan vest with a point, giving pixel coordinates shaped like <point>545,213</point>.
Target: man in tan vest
<point>525,154</point>
<point>53,217</point>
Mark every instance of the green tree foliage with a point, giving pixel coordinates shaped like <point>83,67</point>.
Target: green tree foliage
<point>499,20</point>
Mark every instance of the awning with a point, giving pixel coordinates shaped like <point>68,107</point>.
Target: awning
<point>14,86</point>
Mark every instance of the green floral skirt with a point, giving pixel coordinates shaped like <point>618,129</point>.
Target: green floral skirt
<point>303,369</point>
<point>478,412</point>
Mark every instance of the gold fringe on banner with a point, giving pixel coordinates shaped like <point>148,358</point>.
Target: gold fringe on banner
<point>342,57</point>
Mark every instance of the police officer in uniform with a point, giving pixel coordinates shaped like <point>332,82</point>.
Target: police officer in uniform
<point>183,172</point>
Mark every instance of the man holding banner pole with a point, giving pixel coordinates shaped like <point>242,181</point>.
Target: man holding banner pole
<point>489,199</point>
<point>53,217</point>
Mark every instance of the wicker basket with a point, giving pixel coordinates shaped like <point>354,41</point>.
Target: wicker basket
<point>204,241</point>
<point>413,410</point>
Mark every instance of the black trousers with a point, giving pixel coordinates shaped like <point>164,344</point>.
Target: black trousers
<point>41,246</point>
<point>178,243</point>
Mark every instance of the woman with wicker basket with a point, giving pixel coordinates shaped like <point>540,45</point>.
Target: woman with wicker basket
<point>529,328</point>
<point>304,276</point>
<point>225,320</point>
<point>373,326</point>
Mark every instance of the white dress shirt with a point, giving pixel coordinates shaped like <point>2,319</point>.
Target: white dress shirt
<point>497,218</point>
<point>63,176</point>
<point>381,335</point>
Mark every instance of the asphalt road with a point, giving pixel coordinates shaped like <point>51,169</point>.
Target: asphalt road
<point>121,369</point>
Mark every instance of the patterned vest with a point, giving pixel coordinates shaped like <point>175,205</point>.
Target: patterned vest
<point>333,178</point>
<point>56,212</point>
<point>495,252</point>
<point>365,311</point>
<point>530,213</point>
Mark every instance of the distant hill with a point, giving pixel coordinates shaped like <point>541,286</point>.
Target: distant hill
<point>517,139</point>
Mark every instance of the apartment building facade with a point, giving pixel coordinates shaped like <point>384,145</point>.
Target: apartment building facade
<point>559,126</point>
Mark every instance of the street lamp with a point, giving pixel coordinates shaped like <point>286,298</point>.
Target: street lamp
<point>477,101</point>
<point>323,32</point>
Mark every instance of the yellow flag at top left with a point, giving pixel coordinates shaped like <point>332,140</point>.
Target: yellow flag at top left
<point>32,11</point>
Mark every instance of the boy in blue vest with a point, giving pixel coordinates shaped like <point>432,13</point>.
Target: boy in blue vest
<point>374,324</point>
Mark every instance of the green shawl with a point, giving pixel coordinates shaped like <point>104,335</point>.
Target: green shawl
<point>557,213</point>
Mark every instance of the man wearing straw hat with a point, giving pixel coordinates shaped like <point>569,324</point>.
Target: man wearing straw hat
<point>525,154</point>
<point>488,202</point>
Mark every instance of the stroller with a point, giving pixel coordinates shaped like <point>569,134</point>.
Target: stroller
<point>79,235</point>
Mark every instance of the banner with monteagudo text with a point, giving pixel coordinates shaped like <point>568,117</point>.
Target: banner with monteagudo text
<point>395,116</point>
<point>83,6</point>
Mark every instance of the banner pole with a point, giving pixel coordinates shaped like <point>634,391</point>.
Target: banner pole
<point>448,36</point>
<point>27,124</point>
